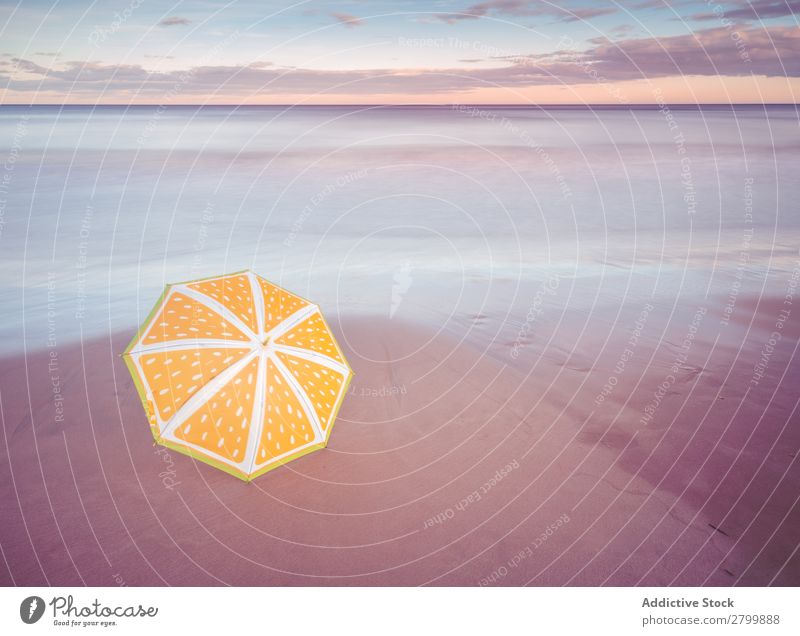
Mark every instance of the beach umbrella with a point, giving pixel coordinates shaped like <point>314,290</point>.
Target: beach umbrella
<point>238,372</point>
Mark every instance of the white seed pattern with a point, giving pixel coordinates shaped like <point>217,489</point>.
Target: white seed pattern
<point>321,384</point>
<point>235,293</point>
<point>278,304</point>
<point>312,334</point>
<point>172,377</point>
<point>183,318</point>
<point>214,426</point>
<point>286,426</point>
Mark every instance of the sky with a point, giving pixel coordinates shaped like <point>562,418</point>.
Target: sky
<point>402,52</point>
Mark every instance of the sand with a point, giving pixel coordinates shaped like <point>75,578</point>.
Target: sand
<point>452,463</point>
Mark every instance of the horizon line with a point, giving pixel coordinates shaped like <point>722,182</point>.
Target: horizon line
<point>420,105</point>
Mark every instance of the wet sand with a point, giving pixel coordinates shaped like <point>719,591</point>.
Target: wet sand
<point>453,462</point>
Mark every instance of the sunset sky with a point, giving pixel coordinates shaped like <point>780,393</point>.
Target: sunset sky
<point>367,52</point>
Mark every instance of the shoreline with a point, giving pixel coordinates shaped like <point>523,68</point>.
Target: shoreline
<point>450,464</point>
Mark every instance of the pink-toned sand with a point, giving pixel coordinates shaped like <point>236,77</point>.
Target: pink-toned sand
<point>451,463</point>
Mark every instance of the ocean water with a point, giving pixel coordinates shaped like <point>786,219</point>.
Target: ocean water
<point>468,219</point>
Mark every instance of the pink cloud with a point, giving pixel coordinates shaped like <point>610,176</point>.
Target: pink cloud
<point>741,52</point>
<point>524,8</point>
<point>345,19</point>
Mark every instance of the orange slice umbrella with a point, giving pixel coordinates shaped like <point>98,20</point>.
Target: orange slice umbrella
<point>238,372</point>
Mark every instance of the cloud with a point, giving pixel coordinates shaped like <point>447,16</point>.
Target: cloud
<point>750,11</point>
<point>524,8</point>
<point>174,21</point>
<point>716,51</point>
<point>345,19</point>
<point>573,15</point>
<point>622,29</point>
<point>771,52</point>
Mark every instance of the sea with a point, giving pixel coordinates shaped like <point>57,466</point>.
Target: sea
<point>482,221</point>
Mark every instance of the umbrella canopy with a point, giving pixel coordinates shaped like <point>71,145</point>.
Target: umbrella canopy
<point>238,372</point>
